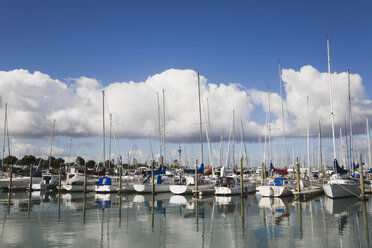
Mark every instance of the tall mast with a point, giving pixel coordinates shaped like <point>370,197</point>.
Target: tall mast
<point>233,140</point>
<point>320,147</point>
<point>201,125</point>
<point>5,126</point>
<point>103,129</point>
<point>269,123</point>
<point>164,153</point>
<point>331,101</point>
<point>109,163</point>
<point>159,127</point>
<point>208,128</point>
<point>51,145</point>
<point>281,95</point>
<point>347,145</point>
<point>369,144</point>
<point>69,160</point>
<point>341,148</point>
<point>221,147</point>
<point>350,123</point>
<point>244,150</point>
<point>307,133</point>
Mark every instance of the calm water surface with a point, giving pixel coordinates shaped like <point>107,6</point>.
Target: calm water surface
<point>72,220</point>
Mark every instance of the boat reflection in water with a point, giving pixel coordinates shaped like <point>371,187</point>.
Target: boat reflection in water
<point>279,208</point>
<point>166,220</point>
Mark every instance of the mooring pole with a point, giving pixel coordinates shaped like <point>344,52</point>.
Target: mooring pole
<point>152,178</point>
<point>298,175</point>
<point>241,177</point>
<point>85,177</point>
<point>30,178</point>
<point>11,178</point>
<point>362,196</point>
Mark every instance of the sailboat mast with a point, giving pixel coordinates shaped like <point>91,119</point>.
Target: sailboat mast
<point>350,123</point>
<point>269,123</point>
<point>233,140</point>
<point>51,145</point>
<point>307,133</point>
<point>331,101</point>
<point>369,144</point>
<point>103,129</point>
<point>164,153</point>
<point>281,95</point>
<point>244,150</point>
<point>109,158</point>
<point>208,128</point>
<point>221,147</point>
<point>159,127</point>
<point>320,147</point>
<point>5,125</point>
<point>201,125</point>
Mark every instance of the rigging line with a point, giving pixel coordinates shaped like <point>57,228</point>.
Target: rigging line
<point>116,145</point>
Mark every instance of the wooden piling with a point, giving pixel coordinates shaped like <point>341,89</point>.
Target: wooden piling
<point>59,178</point>
<point>262,173</point>
<point>120,183</point>
<point>152,178</point>
<point>298,175</point>
<point>196,176</point>
<point>362,196</point>
<point>30,177</point>
<point>11,178</point>
<point>85,177</point>
<point>241,177</point>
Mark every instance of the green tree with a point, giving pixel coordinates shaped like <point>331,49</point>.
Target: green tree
<point>91,164</point>
<point>80,160</point>
<point>27,160</point>
<point>58,162</point>
<point>10,160</point>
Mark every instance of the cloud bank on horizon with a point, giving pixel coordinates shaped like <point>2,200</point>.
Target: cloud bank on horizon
<point>35,99</point>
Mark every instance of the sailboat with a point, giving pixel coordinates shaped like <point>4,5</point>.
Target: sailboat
<point>340,184</point>
<point>276,186</point>
<point>161,184</point>
<point>16,182</point>
<point>48,180</point>
<point>195,182</point>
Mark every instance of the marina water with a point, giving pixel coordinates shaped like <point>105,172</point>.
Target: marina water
<point>165,220</point>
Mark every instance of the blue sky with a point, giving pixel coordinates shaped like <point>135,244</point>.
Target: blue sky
<point>227,42</point>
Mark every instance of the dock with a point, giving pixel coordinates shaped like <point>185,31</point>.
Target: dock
<point>308,193</point>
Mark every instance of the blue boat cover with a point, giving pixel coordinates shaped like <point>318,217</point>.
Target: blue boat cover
<point>158,179</point>
<point>104,181</point>
<point>158,172</point>
<point>338,169</point>
<point>192,171</point>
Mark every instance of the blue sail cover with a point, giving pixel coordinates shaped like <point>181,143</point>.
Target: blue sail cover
<point>192,171</point>
<point>158,172</point>
<point>355,166</point>
<point>338,169</point>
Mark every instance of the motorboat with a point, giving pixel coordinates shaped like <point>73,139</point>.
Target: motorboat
<point>230,185</point>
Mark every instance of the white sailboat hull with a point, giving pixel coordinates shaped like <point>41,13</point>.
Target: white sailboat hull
<point>274,191</point>
<point>341,190</point>
<point>247,189</point>
<point>18,182</point>
<point>77,188</point>
<point>188,189</point>
<point>147,188</point>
